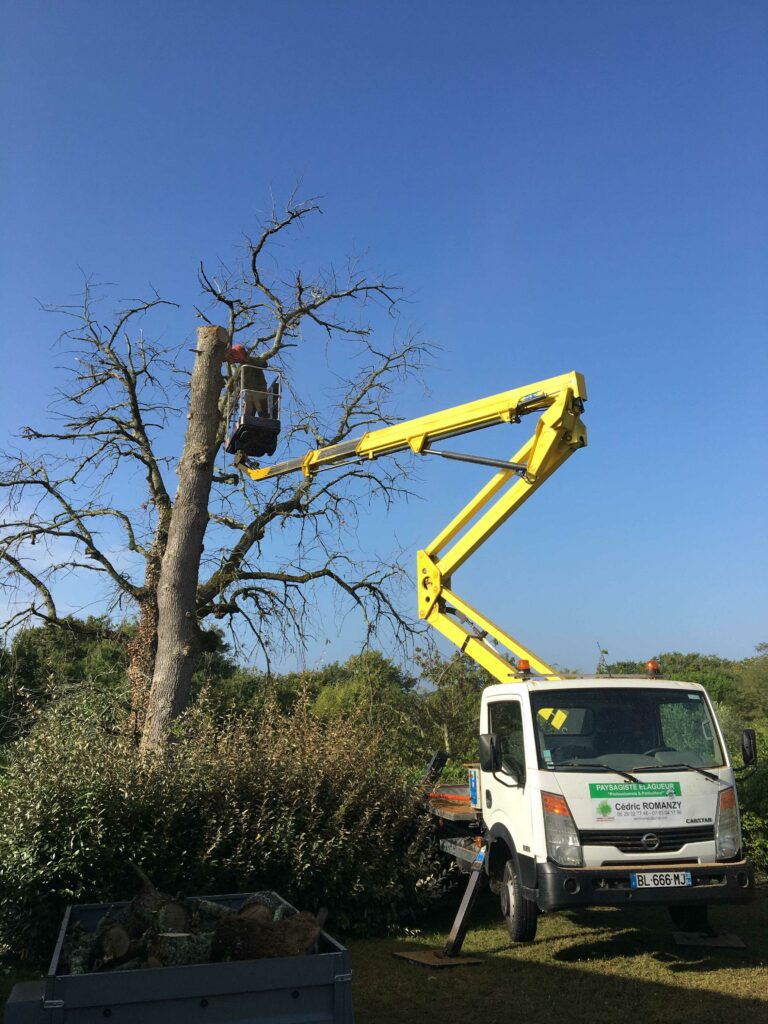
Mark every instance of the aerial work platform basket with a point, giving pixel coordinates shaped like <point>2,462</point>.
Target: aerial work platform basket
<point>254,414</point>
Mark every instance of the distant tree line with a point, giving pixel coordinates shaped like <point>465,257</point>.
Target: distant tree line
<point>432,703</point>
<point>742,685</point>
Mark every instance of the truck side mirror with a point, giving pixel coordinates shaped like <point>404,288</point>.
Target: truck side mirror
<point>749,747</point>
<point>490,756</point>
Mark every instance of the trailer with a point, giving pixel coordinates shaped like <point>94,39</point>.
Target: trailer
<point>314,988</point>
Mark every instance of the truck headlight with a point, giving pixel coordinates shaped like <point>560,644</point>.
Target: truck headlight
<point>563,846</point>
<point>727,832</point>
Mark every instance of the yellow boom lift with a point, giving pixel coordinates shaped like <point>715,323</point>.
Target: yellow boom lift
<point>558,402</point>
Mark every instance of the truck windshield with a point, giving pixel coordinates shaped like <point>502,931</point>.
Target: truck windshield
<point>625,729</point>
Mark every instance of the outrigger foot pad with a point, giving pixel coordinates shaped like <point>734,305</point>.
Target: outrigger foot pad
<point>728,941</point>
<point>435,958</point>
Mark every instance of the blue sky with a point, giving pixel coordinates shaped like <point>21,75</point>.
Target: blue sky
<point>557,185</point>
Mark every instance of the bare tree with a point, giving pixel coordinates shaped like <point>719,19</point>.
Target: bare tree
<point>75,503</point>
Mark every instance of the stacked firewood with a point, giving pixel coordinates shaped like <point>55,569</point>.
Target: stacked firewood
<point>158,930</point>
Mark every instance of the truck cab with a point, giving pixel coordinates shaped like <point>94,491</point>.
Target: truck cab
<point>611,791</point>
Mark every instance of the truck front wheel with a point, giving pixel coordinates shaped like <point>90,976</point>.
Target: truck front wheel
<point>520,914</point>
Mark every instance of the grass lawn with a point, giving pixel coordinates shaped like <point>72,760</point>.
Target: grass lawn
<point>597,966</point>
<point>587,967</point>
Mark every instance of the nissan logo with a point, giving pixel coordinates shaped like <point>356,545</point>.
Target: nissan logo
<point>650,841</point>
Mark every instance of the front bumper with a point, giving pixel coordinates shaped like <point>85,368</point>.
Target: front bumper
<point>558,888</point>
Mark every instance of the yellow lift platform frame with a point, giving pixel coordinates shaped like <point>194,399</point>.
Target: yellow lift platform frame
<point>559,402</point>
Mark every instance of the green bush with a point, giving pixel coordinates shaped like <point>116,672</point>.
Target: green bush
<point>449,710</point>
<point>321,812</point>
<point>753,802</point>
<point>753,786</point>
<point>754,829</point>
<point>51,663</point>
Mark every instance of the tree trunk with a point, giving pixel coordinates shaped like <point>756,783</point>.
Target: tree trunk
<point>178,646</point>
<point>142,650</point>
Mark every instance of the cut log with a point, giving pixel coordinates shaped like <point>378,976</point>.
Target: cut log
<point>155,930</point>
<point>113,942</point>
<point>237,938</point>
<point>173,916</point>
<point>297,935</point>
<point>256,912</point>
<point>129,965</point>
<point>149,898</point>
<point>243,938</point>
<point>135,918</point>
<point>173,949</point>
<point>258,899</point>
<point>151,908</point>
<point>207,914</point>
<point>79,951</point>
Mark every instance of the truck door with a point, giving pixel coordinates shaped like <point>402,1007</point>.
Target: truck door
<point>504,795</point>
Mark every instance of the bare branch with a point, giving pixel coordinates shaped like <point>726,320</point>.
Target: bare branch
<point>36,582</point>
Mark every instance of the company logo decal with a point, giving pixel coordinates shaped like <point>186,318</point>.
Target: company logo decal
<point>636,801</point>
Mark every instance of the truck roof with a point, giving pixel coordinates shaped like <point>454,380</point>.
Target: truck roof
<point>590,682</point>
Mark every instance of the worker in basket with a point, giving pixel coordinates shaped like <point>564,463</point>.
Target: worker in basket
<point>254,408</point>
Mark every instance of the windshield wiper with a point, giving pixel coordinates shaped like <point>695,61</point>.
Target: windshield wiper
<point>604,767</point>
<point>679,764</point>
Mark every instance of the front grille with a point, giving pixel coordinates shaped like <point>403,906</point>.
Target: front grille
<point>622,863</point>
<point>630,840</point>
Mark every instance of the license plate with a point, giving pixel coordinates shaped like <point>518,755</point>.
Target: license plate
<point>659,879</point>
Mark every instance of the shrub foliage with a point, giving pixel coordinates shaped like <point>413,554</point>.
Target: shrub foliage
<point>321,812</point>
<point>753,801</point>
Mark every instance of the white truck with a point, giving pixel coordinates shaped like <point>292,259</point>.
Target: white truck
<point>603,790</point>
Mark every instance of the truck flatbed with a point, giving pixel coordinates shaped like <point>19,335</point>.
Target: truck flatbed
<point>451,803</point>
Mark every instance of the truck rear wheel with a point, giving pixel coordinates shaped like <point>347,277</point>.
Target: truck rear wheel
<point>690,919</point>
<point>520,914</point>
